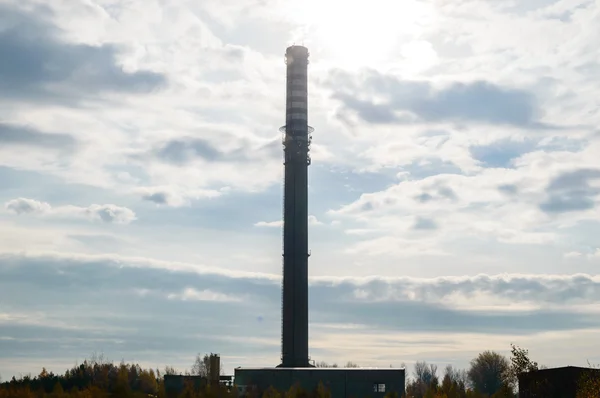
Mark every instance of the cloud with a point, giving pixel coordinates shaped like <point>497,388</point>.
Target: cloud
<point>439,192</point>
<point>518,293</point>
<point>269,224</point>
<point>312,220</point>
<point>429,166</point>
<point>493,291</point>
<point>79,69</point>
<point>186,150</point>
<point>27,206</point>
<point>161,198</point>
<point>501,153</point>
<point>572,255</point>
<point>215,162</point>
<point>202,295</point>
<point>38,64</point>
<point>110,213</point>
<point>509,189</point>
<point>179,151</point>
<point>238,313</point>
<point>522,205</point>
<point>174,197</point>
<point>424,224</point>
<point>380,98</point>
<point>595,253</point>
<point>119,300</point>
<point>20,135</point>
<point>571,191</point>
<point>107,213</point>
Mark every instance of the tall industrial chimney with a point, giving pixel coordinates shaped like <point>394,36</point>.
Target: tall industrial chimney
<point>296,142</point>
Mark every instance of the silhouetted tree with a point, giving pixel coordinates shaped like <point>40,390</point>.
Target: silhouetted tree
<point>201,366</point>
<point>454,382</point>
<point>148,382</point>
<point>489,372</point>
<point>425,380</point>
<point>589,384</point>
<point>271,392</point>
<point>322,391</point>
<point>520,363</point>
<point>323,364</point>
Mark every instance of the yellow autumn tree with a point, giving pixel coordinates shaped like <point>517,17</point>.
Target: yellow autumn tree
<point>589,384</point>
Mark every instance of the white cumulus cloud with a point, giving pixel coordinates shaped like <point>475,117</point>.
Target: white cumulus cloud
<point>191,294</point>
<point>270,224</point>
<point>108,213</point>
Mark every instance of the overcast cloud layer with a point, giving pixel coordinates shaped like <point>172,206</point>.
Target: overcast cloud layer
<point>454,190</point>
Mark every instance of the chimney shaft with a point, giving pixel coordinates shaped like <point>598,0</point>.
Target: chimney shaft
<point>296,141</point>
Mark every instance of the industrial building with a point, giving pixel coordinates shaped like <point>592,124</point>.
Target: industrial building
<point>295,367</point>
<point>339,382</point>
<point>553,383</point>
<point>176,384</point>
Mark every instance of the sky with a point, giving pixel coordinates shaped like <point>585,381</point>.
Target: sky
<point>454,189</point>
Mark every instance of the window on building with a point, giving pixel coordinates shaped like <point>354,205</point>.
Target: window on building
<point>378,387</point>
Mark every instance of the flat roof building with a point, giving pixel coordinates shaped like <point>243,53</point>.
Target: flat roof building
<point>553,383</point>
<point>177,384</point>
<point>339,382</point>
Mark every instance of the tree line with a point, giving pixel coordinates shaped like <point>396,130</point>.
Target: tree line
<point>490,375</point>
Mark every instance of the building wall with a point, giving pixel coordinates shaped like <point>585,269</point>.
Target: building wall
<point>175,384</point>
<point>341,382</point>
<point>552,383</point>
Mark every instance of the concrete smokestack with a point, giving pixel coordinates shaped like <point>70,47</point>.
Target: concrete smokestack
<point>296,142</point>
